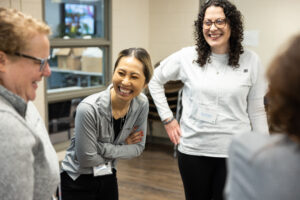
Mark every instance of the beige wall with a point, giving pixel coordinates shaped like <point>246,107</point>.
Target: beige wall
<point>130,25</point>
<point>275,20</point>
<point>171,26</point>
<point>160,26</point>
<point>34,8</point>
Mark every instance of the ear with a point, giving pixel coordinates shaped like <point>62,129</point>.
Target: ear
<point>145,86</point>
<point>3,61</point>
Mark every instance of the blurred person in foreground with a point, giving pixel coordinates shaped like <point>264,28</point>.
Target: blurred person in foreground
<point>29,166</point>
<point>267,167</point>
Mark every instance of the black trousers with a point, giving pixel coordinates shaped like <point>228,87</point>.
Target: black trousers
<point>203,177</point>
<point>88,187</point>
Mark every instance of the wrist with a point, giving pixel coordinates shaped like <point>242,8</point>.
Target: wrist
<point>168,121</point>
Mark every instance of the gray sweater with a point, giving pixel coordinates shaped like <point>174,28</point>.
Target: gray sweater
<point>263,167</point>
<point>93,142</point>
<point>29,166</point>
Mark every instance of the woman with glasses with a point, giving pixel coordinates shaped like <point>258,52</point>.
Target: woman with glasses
<point>222,97</point>
<point>29,166</point>
<point>268,166</point>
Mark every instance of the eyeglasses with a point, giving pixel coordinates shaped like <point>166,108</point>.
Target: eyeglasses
<point>42,61</point>
<point>219,23</point>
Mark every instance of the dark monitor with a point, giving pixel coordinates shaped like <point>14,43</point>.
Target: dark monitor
<point>79,19</point>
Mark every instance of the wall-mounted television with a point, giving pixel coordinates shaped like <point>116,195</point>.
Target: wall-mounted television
<point>79,19</point>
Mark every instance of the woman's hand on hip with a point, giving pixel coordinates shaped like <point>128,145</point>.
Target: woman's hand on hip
<point>174,131</point>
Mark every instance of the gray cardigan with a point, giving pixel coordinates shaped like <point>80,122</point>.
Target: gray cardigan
<point>29,166</point>
<point>263,167</point>
<point>93,142</point>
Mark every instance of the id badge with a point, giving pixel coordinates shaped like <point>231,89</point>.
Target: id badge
<point>102,169</point>
<point>207,115</point>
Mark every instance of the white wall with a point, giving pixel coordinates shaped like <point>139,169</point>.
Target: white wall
<point>34,8</point>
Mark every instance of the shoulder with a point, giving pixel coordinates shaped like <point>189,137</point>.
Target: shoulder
<point>32,113</point>
<point>92,98</point>
<point>188,51</point>
<point>142,100</point>
<point>249,56</point>
<point>97,99</point>
<point>14,133</point>
<point>247,144</point>
<point>184,52</point>
<point>249,53</point>
<point>256,147</point>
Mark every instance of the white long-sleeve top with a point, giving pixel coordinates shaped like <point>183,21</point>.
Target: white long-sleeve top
<point>218,101</point>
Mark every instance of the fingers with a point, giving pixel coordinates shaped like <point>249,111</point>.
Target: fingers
<point>174,137</point>
<point>174,131</point>
<point>134,129</point>
<point>135,137</point>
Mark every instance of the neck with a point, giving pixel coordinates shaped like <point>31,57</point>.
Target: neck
<point>119,107</point>
<point>220,50</point>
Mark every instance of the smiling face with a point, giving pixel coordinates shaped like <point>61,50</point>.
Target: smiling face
<point>217,38</point>
<point>21,75</point>
<point>128,78</point>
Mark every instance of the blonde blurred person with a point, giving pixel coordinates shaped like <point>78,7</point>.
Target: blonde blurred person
<point>29,166</point>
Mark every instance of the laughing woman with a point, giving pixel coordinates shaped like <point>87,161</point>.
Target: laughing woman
<point>222,97</point>
<point>109,125</point>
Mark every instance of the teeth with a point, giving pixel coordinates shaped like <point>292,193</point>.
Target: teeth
<point>214,36</point>
<point>124,91</point>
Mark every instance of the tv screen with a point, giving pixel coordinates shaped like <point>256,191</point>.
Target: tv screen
<point>79,19</point>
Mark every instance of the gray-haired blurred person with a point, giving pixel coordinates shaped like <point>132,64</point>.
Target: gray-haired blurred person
<point>29,166</point>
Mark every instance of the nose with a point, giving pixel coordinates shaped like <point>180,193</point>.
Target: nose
<point>126,81</point>
<point>213,27</point>
<point>47,70</point>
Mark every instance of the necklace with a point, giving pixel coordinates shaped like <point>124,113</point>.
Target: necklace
<point>119,114</point>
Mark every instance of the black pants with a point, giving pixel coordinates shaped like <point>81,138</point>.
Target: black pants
<point>203,177</point>
<point>88,187</point>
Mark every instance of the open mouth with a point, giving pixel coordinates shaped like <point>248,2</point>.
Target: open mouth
<point>124,91</point>
<point>215,36</point>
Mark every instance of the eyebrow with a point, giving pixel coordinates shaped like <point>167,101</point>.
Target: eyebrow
<point>132,73</point>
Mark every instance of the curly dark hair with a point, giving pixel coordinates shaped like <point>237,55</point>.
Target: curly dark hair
<point>284,90</point>
<point>234,18</point>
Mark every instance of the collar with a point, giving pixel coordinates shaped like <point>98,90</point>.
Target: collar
<point>104,104</point>
<point>16,101</point>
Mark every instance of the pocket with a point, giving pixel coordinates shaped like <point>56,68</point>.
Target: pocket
<point>244,79</point>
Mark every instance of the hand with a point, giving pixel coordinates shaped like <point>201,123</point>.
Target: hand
<point>134,137</point>
<point>174,131</point>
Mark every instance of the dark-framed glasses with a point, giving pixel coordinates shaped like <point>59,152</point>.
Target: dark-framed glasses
<point>219,23</point>
<point>42,61</point>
